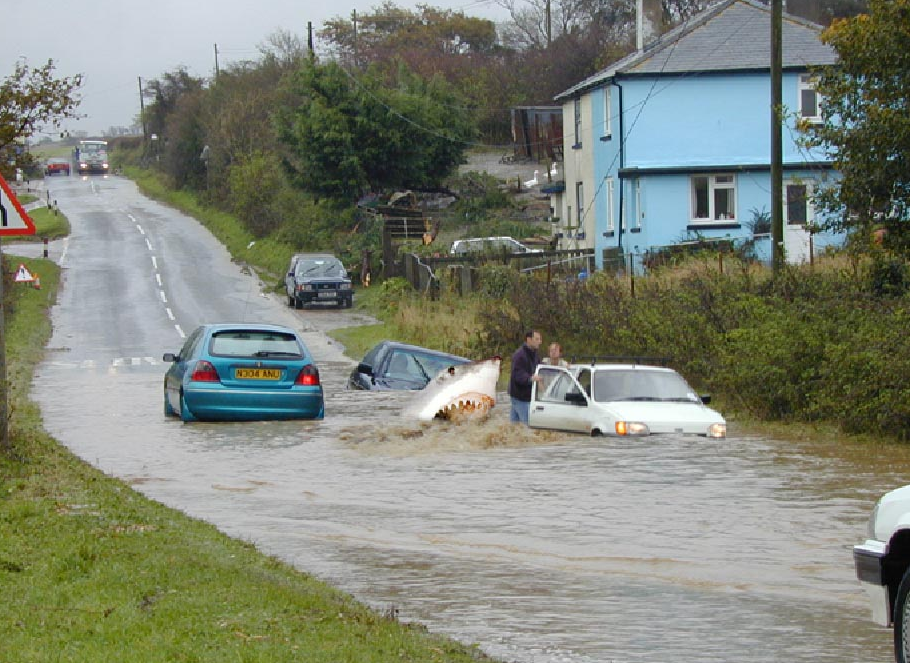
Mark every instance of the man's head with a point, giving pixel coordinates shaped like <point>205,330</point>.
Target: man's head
<point>533,339</point>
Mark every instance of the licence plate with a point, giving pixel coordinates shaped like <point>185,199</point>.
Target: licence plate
<point>327,294</point>
<point>257,373</point>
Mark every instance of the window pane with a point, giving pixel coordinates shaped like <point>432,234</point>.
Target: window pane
<point>700,197</point>
<point>797,213</point>
<point>723,204</point>
<point>808,103</point>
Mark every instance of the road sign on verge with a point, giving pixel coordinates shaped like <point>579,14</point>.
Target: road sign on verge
<point>13,219</point>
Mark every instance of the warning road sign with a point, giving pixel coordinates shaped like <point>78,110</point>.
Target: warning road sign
<point>13,219</point>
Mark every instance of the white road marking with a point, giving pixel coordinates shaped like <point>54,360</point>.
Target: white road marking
<point>148,244</point>
<point>163,296</point>
<point>155,263</point>
<point>139,228</point>
<point>170,313</point>
<point>179,331</point>
<point>158,278</point>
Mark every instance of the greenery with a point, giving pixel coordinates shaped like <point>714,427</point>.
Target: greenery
<point>93,571</point>
<point>31,99</point>
<point>866,129</point>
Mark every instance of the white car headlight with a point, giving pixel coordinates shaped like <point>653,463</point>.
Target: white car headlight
<point>632,428</point>
<point>717,430</point>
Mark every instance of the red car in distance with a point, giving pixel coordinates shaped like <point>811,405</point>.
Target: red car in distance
<point>56,165</point>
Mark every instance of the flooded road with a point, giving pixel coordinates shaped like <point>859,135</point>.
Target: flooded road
<point>539,547</point>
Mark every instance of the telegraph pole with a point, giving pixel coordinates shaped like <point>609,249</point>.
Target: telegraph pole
<point>217,71</point>
<point>777,167</point>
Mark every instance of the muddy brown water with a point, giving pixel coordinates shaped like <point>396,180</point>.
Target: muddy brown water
<point>539,547</point>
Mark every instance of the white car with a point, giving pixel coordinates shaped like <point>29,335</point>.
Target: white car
<point>620,399</point>
<point>883,566</point>
<point>489,245</point>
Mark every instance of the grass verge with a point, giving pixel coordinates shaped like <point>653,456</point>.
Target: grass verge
<point>93,571</point>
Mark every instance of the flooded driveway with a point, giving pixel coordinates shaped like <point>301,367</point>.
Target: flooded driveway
<point>539,547</point>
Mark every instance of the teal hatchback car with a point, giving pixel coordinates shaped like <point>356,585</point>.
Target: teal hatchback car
<point>243,372</point>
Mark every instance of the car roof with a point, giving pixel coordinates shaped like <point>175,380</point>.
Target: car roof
<point>617,367</point>
<point>250,326</point>
<point>397,345</point>
<point>298,256</point>
<point>57,160</point>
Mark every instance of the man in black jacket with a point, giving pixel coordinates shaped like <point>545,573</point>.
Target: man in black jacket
<point>524,363</point>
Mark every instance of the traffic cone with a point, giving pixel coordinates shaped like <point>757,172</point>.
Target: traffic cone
<point>37,283</point>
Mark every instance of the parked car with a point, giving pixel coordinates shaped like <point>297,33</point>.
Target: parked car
<point>56,165</point>
<point>883,567</point>
<point>394,365</point>
<point>243,372</point>
<point>317,277</point>
<point>489,245</point>
<point>620,399</point>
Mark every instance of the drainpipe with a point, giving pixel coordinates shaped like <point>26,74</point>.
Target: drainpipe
<point>622,163</point>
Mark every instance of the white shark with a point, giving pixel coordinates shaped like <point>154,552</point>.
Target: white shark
<point>465,391</point>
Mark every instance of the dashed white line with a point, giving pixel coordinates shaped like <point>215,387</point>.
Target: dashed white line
<point>180,331</point>
<point>155,263</point>
<point>163,296</point>
<point>139,228</point>
<point>158,278</point>
<point>148,244</point>
<point>170,313</point>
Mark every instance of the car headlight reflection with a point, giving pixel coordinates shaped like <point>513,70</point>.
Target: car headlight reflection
<point>717,430</point>
<point>632,428</point>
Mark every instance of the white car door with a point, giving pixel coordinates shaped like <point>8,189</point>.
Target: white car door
<point>558,402</point>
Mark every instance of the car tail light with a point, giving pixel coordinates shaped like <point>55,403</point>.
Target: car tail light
<point>204,372</point>
<point>308,376</point>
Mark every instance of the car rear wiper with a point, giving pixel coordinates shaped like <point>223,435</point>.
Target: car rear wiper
<point>274,353</point>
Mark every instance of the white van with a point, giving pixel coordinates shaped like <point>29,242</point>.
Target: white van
<point>489,245</point>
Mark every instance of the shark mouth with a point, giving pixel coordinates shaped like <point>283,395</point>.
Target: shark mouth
<point>463,392</point>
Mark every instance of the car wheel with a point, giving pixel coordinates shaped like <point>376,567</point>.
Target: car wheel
<point>168,410</point>
<point>901,620</point>
<point>185,413</point>
<point>290,301</point>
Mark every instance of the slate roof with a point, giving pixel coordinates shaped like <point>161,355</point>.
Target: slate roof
<point>733,35</point>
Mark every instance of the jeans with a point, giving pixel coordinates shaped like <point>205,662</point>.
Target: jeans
<point>519,412</point>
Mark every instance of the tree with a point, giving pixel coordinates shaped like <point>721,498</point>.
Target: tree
<point>866,127</point>
<point>30,99</point>
<point>343,134</point>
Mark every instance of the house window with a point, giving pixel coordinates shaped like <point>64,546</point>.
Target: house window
<point>608,185</point>
<point>638,212</point>
<point>713,198</point>
<point>809,102</point>
<point>578,123</point>
<point>579,203</point>
<point>797,204</point>
<point>608,114</point>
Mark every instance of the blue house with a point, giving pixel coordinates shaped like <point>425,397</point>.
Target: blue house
<point>672,144</point>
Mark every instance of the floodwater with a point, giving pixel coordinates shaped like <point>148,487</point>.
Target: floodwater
<point>539,547</point>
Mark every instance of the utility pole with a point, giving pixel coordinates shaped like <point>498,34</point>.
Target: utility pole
<point>549,28</point>
<point>777,166</point>
<point>142,113</point>
<point>5,444</point>
<point>354,20</point>
<point>217,71</point>
<point>309,39</point>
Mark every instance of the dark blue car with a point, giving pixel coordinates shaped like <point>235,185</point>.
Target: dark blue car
<point>243,372</point>
<point>394,365</point>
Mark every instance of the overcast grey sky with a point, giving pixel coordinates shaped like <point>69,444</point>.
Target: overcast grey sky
<point>114,42</point>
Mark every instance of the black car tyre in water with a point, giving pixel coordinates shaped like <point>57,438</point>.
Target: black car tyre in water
<point>185,413</point>
<point>902,620</point>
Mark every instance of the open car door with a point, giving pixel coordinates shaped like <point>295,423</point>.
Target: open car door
<point>558,401</point>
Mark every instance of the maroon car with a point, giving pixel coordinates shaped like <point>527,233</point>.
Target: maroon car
<point>56,165</point>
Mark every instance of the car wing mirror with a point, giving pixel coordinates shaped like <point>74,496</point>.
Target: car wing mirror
<point>576,398</point>
<point>170,357</point>
<point>366,369</point>
<point>705,398</point>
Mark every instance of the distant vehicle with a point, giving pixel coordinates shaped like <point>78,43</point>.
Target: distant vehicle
<point>489,245</point>
<point>883,567</point>
<point>56,165</point>
<point>90,156</point>
<point>394,365</point>
<point>317,278</point>
<point>620,399</point>
<point>243,372</point>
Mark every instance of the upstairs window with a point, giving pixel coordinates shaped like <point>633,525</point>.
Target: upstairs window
<point>578,123</point>
<point>713,198</point>
<point>608,114</point>
<point>809,100</point>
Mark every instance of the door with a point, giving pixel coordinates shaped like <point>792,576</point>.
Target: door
<point>799,214</point>
<point>549,407</point>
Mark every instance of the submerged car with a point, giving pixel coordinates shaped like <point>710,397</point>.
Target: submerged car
<point>56,165</point>
<point>394,365</point>
<point>243,372</point>
<point>620,399</point>
<point>882,565</point>
<point>317,278</point>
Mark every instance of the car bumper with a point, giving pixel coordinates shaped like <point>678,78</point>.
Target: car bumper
<point>327,296</point>
<point>868,559</point>
<point>222,404</point>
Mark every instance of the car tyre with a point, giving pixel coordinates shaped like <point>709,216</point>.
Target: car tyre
<point>298,304</point>
<point>290,300</point>
<point>901,620</point>
<point>185,413</point>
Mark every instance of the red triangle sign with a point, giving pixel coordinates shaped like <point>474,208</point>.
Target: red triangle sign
<point>13,219</point>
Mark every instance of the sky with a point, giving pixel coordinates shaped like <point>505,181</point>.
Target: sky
<point>114,43</point>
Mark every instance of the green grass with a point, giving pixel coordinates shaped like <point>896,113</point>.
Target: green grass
<point>93,571</point>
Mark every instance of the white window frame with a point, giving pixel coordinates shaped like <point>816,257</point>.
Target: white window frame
<point>638,213</point>
<point>807,84</point>
<point>579,205</point>
<point>608,113</point>
<point>608,185</point>
<point>810,207</point>
<point>716,182</point>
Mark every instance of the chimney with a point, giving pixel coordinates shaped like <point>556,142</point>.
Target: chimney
<point>647,22</point>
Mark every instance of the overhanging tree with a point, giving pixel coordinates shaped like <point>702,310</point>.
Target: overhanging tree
<point>866,124</point>
<point>344,134</point>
